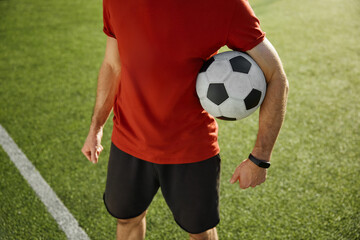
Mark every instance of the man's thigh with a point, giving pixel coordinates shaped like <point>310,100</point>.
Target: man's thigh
<point>192,193</point>
<point>130,186</point>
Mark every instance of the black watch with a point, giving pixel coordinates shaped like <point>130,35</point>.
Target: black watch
<point>258,162</point>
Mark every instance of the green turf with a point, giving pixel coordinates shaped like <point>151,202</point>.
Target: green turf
<point>22,214</point>
<point>50,55</point>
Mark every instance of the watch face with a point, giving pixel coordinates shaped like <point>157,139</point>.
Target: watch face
<point>264,164</point>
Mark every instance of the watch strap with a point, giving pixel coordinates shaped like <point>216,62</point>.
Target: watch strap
<point>258,162</point>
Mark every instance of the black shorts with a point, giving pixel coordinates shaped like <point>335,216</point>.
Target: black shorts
<point>190,190</point>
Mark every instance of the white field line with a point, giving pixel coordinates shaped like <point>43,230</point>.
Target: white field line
<point>54,205</point>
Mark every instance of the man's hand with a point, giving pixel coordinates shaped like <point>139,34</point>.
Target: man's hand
<point>249,174</point>
<point>92,146</point>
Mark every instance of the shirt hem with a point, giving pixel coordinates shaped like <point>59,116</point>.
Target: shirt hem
<point>167,160</point>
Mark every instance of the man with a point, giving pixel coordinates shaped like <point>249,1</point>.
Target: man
<point>162,138</point>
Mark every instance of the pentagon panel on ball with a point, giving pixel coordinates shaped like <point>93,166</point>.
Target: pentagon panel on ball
<point>217,93</point>
<point>231,85</point>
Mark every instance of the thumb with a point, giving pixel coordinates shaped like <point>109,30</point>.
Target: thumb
<point>86,152</point>
<point>235,176</point>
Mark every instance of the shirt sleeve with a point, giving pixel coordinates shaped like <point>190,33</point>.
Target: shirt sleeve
<point>108,30</point>
<point>244,31</point>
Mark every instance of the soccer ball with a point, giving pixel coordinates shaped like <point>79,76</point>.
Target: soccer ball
<point>231,85</point>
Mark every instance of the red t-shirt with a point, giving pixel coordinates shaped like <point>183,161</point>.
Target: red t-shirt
<point>162,46</point>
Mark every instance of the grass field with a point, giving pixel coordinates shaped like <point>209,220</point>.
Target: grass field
<point>50,53</point>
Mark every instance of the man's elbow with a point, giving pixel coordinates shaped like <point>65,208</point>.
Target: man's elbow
<point>279,78</point>
<point>114,68</point>
<point>287,87</point>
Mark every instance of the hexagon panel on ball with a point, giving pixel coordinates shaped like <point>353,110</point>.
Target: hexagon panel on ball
<point>218,71</point>
<point>238,85</point>
<point>210,107</point>
<point>233,108</point>
<point>202,85</point>
<point>226,55</point>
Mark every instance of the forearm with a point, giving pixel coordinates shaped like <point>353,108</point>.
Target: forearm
<point>271,117</point>
<point>106,89</point>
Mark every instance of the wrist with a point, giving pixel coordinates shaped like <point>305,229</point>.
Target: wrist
<point>262,154</point>
<point>95,127</point>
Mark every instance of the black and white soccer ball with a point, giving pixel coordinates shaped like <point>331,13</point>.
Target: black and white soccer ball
<point>231,85</point>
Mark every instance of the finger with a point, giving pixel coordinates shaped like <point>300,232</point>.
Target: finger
<point>98,151</point>
<point>93,156</point>
<point>240,182</point>
<point>98,154</point>
<point>257,181</point>
<point>244,185</point>
<point>244,181</point>
<point>261,181</point>
<point>99,148</point>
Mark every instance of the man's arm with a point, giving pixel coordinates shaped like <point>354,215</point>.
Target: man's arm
<point>106,89</point>
<point>272,113</point>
